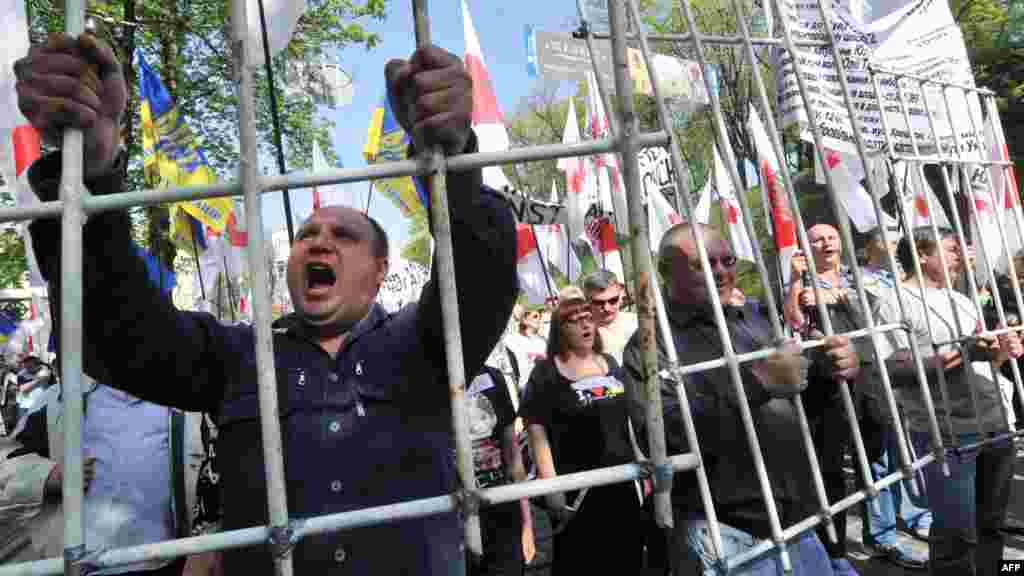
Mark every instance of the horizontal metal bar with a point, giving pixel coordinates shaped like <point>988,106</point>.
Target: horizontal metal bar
<point>718,39</point>
<point>934,159</point>
<point>766,352</point>
<point>932,81</point>
<point>348,520</point>
<point>464,162</point>
<point>31,212</point>
<point>973,337</point>
<point>812,521</point>
<point>21,293</point>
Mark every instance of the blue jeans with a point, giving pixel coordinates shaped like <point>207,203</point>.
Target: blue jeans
<point>806,553</point>
<point>895,500</point>
<point>968,508</point>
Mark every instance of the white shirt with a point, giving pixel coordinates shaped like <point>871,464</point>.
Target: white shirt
<point>616,335</point>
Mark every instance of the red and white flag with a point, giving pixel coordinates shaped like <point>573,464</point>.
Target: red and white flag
<point>532,279</point>
<point>606,247</point>
<point>20,147</point>
<point>731,213</point>
<point>702,211</point>
<point>1005,187</point>
<point>783,224</point>
<point>488,122</point>
<point>578,181</point>
<point>847,172</point>
<point>606,166</point>
<point>661,216</point>
<point>917,197</point>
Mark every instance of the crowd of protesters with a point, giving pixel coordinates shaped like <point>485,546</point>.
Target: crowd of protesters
<point>363,392</point>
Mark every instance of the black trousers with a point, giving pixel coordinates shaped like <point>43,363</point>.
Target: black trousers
<point>605,537</point>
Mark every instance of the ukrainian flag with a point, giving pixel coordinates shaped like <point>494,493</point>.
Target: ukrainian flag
<point>7,327</point>
<point>171,157</point>
<point>386,141</point>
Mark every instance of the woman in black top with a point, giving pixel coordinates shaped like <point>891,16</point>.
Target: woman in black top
<point>575,412</point>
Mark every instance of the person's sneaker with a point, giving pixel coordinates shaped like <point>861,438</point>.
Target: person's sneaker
<point>842,567</point>
<point>901,556</point>
<point>921,532</point>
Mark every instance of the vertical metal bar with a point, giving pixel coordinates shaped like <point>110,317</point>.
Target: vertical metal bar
<point>727,348</point>
<point>773,135</point>
<point>819,143</point>
<point>72,191</point>
<point>962,241</point>
<point>906,448</point>
<point>997,133</point>
<point>997,201</point>
<point>940,374</point>
<point>449,308</point>
<point>646,279</point>
<point>270,425</point>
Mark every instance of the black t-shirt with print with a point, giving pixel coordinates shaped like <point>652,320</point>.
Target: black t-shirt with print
<point>490,411</point>
<point>585,419</point>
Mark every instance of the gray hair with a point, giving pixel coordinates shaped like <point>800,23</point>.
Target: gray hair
<point>599,281</point>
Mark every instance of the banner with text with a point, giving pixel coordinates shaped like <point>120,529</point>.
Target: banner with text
<point>921,39</point>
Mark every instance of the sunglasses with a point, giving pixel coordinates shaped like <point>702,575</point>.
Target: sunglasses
<point>726,262</point>
<point>614,301</point>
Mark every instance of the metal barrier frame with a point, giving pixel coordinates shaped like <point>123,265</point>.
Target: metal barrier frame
<point>76,204</point>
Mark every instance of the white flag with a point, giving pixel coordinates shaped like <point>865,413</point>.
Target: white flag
<point>281,17</point>
<point>731,212</point>
<point>488,123</point>
<point>578,182</point>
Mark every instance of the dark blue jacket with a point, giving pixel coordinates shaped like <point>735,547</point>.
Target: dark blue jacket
<point>367,428</point>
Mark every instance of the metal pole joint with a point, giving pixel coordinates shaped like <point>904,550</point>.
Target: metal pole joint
<point>73,559</point>
<point>661,475</point>
<point>468,502</point>
<point>283,539</point>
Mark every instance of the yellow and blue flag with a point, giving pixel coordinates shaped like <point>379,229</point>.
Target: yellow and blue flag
<point>172,157</point>
<point>386,141</point>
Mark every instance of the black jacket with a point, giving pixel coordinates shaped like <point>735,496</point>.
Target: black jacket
<point>368,428</point>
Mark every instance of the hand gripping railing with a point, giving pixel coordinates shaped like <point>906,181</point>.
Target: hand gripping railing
<point>75,204</point>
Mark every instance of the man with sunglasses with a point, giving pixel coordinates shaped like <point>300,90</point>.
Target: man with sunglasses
<point>767,386</point>
<point>605,294</point>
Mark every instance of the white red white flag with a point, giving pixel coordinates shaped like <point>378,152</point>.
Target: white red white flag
<point>731,213</point>
<point>532,279</point>
<point>783,224</point>
<point>488,122</point>
<point>578,181</point>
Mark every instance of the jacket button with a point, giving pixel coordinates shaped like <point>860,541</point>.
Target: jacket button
<point>336,486</point>
<point>334,426</point>
<point>340,556</point>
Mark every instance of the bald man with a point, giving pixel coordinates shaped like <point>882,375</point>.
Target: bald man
<point>364,411</point>
<point>767,385</point>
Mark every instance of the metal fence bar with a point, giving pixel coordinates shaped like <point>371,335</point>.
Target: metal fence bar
<point>777,149</point>
<point>862,151</point>
<point>990,264</point>
<point>905,222</point>
<point>255,536</point>
<point>72,192</point>
<point>728,352</point>
<point>930,159</point>
<point>932,81</point>
<point>646,280</point>
<point>717,39</point>
<point>942,380</point>
<point>445,262</point>
<point>962,242</point>
<point>998,135</point>
<point>270,425</point>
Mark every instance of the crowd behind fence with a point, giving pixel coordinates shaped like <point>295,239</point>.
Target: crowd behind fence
<point>75,206</point>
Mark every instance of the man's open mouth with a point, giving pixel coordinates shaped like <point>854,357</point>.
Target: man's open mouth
<point>319,277</point>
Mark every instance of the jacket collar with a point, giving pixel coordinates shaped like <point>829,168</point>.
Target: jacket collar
<point>293,325</point>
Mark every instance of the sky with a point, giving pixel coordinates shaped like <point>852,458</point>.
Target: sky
<point>500,26</point>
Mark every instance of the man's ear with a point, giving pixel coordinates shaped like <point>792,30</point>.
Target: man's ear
<point>382,269</point>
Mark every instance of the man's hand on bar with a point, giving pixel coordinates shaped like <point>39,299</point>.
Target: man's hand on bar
<point>431,95</point>
<point>75,83</point>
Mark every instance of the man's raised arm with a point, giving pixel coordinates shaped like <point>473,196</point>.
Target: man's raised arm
<point>482,224</point>
<point>134,338</point>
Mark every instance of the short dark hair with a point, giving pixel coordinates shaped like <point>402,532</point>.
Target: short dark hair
<point>924,241</point>
<point>599,281</point>
<point>379,243</point>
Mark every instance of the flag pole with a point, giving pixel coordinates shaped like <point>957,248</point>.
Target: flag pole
<point>275,121</point>
<point>199,268</point>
